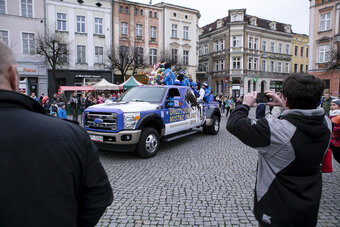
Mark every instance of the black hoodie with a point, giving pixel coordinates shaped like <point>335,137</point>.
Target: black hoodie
<point>290,151</point>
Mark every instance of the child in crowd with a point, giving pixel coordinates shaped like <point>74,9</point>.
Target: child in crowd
<point>62,111</point>
<point>54,109</point>
<point>334,115</point>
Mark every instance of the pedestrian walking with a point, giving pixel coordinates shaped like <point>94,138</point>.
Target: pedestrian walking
<point>74,106</point>
<point>50,170</point>
<point>61,111</point>
<point>326,103</point>
<point>290,151</point>
<point>334,115</point>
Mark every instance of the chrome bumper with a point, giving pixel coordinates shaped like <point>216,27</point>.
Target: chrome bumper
<point>135,135</point>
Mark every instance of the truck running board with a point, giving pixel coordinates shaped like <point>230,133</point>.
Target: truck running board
<point>178,136</point>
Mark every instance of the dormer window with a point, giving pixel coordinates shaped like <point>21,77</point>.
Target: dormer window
<point>288,29</point>
<point>236,17</point>
<point>219,24</point>
<point>253,21</point>
<point>272,26</point>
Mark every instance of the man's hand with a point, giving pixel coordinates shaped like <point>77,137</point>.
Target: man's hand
<point>276,99</point>
<point>250,99</point>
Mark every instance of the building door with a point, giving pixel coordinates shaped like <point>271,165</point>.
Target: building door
<point>33,85</point>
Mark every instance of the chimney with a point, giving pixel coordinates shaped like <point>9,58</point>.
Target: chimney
<point>150,2</point>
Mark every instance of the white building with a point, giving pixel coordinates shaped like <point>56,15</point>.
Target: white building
<point>20,23</point>
<point>180,33</point>
<point>87,28</point>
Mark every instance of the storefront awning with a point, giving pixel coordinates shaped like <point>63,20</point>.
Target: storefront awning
<point>76,88</point>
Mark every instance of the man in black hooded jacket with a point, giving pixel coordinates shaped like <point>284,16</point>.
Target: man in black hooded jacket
<point>290,151</point>
<point>49,168</point>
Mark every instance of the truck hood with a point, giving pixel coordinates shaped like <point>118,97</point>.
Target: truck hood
<point>126,107</point>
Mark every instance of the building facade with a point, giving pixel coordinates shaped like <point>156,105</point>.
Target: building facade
<point>242,53</point>
<point>158,31</point>
<point>87,28</point>
<point>300,49</point>
<point>20,23</point>
<point>324,41</point>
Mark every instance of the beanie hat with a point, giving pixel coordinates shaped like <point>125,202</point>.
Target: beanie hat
<point>336,101</point>
<point>205,84</point>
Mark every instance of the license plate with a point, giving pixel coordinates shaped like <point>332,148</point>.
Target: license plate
<point>96,138</point>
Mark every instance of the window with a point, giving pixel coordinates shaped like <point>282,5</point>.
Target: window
<point>139,30</point>
<point>81,54</point>
<point>296,50</point>
<point>256,60</point>
<point>325,21</point>
<point>250,63</point>
<point>272,47</point>
<point>126,9</point>
<point>217,66</point>
<point>153,32</point>
<point>141,12</point>
<point>98,56</point>
<point>306,68</point>
<point>139,54</point>
<point>174,31</point>
<point>28,43</point>
<point>301,68</point>
<point>136,11</point>
<point>216,46</point>
<point>2,7</point>
<point>263,65</point>
<point>124,54</point>
<point>280,48</point>
<point>121,9</point>
<point>323,53</point>
<point>185,32</point>
<point>150,13</point>
<point>185,57</point>
<point>174,53</point>
<point>61,21</point>
<point>307,52</point>
<point>155,14</point>
<point>287,48</point>
<point>124,28</point>
<point>250,43</point>
<point>302,50</point>
<point>256,40</point>
<point>264,45</point>
<point>236,41</point>
<point>81,24</point>
<point>236,63</point>
<point>98,25</point>
<point>286,67</point>
<point>206,49</point>
<point>222,44</point>
<point>272,66</point>
<point>26,8</point>
<point>4,36</point>
<point>295,68</point>
<point>153,56</point>
<point>222,65</point>
<point>279,67</point>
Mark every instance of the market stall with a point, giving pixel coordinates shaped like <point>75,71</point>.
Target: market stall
<point>129,83</point>
<point>104,85</point>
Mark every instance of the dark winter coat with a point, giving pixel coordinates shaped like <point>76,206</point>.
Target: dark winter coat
<point>290,151</point>
<point>49,169</point>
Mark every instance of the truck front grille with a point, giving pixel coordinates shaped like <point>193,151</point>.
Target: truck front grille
<point>102,121</point>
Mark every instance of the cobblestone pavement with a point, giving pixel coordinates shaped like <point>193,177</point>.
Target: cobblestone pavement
<point>199,180</point>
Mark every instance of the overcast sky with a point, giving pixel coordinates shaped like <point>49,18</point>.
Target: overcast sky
<point>294,12</point>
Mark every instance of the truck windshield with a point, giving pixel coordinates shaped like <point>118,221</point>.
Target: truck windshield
<point>144,94</point>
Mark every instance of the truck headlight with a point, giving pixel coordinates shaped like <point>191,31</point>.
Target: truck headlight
<point>130,120</point>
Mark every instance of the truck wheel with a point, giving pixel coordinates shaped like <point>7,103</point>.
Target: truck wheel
<point>149,143</point>
<point>213,130</point>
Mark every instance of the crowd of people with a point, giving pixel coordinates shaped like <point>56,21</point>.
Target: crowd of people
<point>57,105</point>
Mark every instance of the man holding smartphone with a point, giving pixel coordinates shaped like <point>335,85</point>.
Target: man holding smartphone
<point>290,151</point>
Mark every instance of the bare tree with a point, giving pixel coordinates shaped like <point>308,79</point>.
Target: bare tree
<point>334,58</point>
<point>127,60</point>
<point>54,49</point>
<point>176,62</point>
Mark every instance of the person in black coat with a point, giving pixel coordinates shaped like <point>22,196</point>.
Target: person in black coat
<point>50,170</point>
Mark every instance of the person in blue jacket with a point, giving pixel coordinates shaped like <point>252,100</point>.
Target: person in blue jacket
<point>191,82</point>
<point>62,111</point>
<point>184,80</point>
<point>207,92</point>
<point>169,77</point>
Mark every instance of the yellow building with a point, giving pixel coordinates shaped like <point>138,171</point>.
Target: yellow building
<point>300,50</point>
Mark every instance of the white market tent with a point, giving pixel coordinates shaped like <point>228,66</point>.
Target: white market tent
<point>105,85</point>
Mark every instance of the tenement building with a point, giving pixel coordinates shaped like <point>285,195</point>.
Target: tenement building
<point>86,27</point>
<point>242,53</point>
<point>21,22</point>
<point>300,49</point>
<point>324,41</point>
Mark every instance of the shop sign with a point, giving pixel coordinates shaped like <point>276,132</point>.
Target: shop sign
<point>88,76</point>
<point>27,70</point>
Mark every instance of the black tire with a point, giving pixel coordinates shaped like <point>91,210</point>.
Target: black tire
<point>149,142</point>
<point>215,128</point>
<point>205,129</point>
